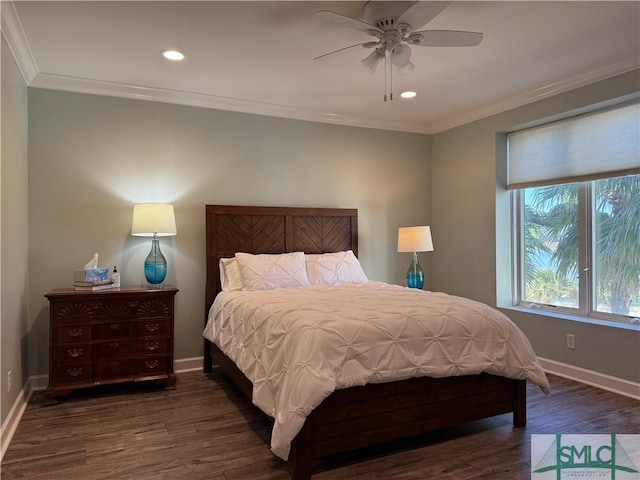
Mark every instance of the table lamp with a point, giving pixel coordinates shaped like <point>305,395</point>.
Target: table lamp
<point>414,240</point>
<point>154,220</point>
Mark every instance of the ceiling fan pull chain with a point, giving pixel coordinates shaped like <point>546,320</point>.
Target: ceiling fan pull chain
<point>391,82</point>
<point>385,75</point>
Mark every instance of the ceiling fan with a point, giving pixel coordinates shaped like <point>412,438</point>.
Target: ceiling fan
<point>393,25</point>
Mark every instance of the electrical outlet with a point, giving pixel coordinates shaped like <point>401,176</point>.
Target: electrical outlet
<point>9,381</point>
<point>571,341</point>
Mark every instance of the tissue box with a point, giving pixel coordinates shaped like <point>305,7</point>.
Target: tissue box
<point>90,274</point>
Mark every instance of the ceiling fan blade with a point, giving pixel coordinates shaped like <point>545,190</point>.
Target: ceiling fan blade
<point>447,38</point>
<point>421,13</point>
<point>340,50</point>
<point>345,20</point>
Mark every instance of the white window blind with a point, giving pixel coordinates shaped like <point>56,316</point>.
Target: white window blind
<point>586,147</point>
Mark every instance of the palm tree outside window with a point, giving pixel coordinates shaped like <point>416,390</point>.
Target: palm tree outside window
<point>552,271</point>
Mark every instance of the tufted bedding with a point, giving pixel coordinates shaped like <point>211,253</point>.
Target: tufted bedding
<point>297,345</point>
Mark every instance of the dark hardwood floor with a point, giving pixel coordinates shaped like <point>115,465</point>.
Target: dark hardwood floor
<point>205,429</point>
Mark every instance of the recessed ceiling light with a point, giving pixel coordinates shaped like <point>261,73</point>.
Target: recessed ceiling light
<point>408,94</point>
<point>174,55</point>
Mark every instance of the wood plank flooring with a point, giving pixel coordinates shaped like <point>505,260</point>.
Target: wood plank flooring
<point>205,429</point>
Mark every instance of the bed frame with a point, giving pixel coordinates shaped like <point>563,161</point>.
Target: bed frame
<point>359,416</point>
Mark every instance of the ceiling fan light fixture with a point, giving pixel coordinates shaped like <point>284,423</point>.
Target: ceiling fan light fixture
<point>402,70</point>
<point>400,55</point>
<point>408,94</point>
<point>372,60</point>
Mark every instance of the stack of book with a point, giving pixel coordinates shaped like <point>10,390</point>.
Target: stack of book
<point>92,285</point>
<point>92,279</point>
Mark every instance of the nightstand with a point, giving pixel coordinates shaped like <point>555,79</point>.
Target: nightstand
<point>109,336</point>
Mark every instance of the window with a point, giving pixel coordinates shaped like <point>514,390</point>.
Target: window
<point>577,214</point>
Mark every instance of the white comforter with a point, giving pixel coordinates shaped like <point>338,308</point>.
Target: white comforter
<point>297,345</point>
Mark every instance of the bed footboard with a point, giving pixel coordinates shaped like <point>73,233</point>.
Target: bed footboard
<point>358,417</point>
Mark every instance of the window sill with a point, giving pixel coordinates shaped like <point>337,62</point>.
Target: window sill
<point>574,318</point>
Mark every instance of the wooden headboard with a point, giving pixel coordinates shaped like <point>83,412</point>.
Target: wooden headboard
<point>232,229</point>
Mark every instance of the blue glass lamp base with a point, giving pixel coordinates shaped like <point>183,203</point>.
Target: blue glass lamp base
<point>155,265</point>
<point>415,280</point>
<point>155,274</point>
<point>415,274</point>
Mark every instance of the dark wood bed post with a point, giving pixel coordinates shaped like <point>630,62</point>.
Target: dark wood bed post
<point>301,456</point>
<point>520,413</point>
<point>212,281</point>
<point>207,364</point>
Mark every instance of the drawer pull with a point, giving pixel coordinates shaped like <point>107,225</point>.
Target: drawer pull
<point>114,345</point>
<point>74,352</point>
<point>74,372</point>
<point>114,326</point>
<point>152,327</point>
<point>115,363</point>
<point>74,332</point>
<point>151,363</point>
<point>152,345</point>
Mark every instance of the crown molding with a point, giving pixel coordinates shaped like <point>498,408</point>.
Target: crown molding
<point>98,87</point>
<point>17,41</point>
<point>14,34</point>
<point>564,85</point>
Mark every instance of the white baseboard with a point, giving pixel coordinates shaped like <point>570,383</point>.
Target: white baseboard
<point>38,382</point>
<point>13,419</point>
<point>589,377</point>
<point>188,364</point>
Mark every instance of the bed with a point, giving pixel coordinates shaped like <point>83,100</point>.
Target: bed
<point>357,416</point>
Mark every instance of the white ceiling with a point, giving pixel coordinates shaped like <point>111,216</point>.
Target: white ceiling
<point>257,57</point>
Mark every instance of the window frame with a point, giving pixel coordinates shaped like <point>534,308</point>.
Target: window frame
<point>586,260</point>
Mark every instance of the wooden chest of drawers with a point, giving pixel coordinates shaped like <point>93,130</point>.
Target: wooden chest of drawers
<point>109,336</point>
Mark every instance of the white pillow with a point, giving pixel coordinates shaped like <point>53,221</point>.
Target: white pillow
<point>265,271</point>
<point>230,278</point>
<point>334,268</point>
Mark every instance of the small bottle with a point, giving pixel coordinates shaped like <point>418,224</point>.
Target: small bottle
<point>115,277</point>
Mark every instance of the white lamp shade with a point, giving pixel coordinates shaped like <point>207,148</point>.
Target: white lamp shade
<point>415,239</point>
<point>153,218</point>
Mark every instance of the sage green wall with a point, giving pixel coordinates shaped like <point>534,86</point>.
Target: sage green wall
<point>470,217</point>
<point>92,157</point>
<point>13,234</point>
